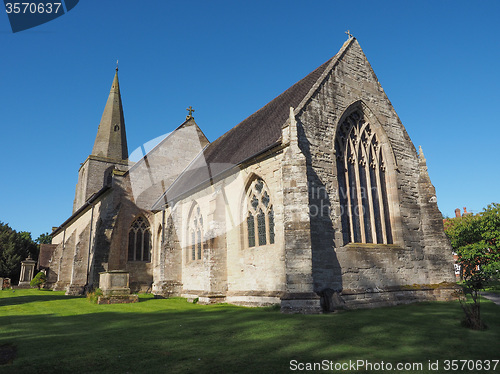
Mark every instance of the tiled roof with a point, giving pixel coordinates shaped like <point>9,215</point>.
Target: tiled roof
<point>252,136</point>
<point>263,128</point>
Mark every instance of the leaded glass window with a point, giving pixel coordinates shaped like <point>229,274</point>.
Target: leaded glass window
<point>139,241</point>
<point>193,245</point>
<point>251,230</point>
<point>261,227</point>
<point>196,234</point>
<point>270,218</point>
<point>361,174</point>
<point>260,215</point>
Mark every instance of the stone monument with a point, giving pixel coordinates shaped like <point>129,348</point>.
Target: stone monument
<point>114,285</point>
<point>27,272</point>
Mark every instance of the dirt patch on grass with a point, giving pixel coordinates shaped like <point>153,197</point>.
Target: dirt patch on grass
<point>7,354</point>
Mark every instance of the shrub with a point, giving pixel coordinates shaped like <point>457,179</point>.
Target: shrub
<point>39,280</point>
<point>93,296</point>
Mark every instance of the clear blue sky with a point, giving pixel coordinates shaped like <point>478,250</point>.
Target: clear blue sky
<point>438,62</point>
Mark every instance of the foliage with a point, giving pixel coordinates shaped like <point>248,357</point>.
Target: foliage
<point>93,296</point>
<point>14,248</point>
<point>476,240</point>
<point>174,336</point>
<point>38,280</point>
<point>44,239</point>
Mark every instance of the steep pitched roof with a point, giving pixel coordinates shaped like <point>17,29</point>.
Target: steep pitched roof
<point>255,134</point>
<point>263,128</point>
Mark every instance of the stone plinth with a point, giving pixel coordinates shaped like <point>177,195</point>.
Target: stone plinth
<point>27,272</point>
<point>305,303</point>
<point>114,285</point>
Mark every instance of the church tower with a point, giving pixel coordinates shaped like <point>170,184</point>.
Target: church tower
<point>110,150</point>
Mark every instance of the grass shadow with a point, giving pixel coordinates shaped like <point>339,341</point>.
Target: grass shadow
<point>174,336</point>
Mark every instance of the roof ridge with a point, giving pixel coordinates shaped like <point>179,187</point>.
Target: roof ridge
<point>266,106</point>
<point>263,128</point>
<point>334,61</point>
<point>274,99</point>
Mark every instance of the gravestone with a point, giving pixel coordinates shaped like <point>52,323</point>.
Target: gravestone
<point>6,283</point>
<point>114,285</point>
<point>27,272</point>
<point>1,283</point>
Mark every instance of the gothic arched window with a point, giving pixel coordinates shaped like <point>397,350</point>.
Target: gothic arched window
<point>260,215</point>
<point>139,241</point>
<point>361,173</point>
<point>195,234</point>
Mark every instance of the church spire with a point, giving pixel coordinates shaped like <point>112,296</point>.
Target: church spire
<point>111,139</point>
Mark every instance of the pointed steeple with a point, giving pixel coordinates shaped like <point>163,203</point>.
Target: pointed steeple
<point>111,139</point>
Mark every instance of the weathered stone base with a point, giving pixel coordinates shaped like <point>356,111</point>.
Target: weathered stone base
<point>23,285</point>
<point>60,286</point>
<point>211,299</point>
<point>305,303</point>
<point>51,286</point>
<point>204,298</point>
<point>357,299</point>
<point>166,289</point>
<point>254,298</point>
<point>253,301</point>
<point>190,297</point>
<point>115,292</point>
<point>75,290</point>
<point>123,299</point>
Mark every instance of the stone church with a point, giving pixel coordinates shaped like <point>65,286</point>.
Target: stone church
<point>318,200</point>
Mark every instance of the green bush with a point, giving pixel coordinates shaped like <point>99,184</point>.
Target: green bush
<point>39,280</point>
<point>93,296</point>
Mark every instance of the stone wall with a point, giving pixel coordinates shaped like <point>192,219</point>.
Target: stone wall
<point>94,174</point>
<point>69,261</point>
<point>152,176</point>
<point>310,255</point>
<point>353,85</point>
<point>228,270</point>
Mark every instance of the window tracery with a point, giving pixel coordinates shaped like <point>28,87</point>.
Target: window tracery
<point>260,215</point>
<point>361,173</point>
<point>196,234</point>
<point>139,241</point>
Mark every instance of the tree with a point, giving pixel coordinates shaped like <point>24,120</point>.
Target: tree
<point>38,280</point>
<point>14,248</point>
<point>476,240</point>
<point>44,239</point>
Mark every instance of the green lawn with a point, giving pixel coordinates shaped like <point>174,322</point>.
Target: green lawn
<point>54,333</point>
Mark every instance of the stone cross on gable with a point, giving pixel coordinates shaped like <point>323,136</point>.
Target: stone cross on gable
<point>190,110</point>
<point>349,34</point>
